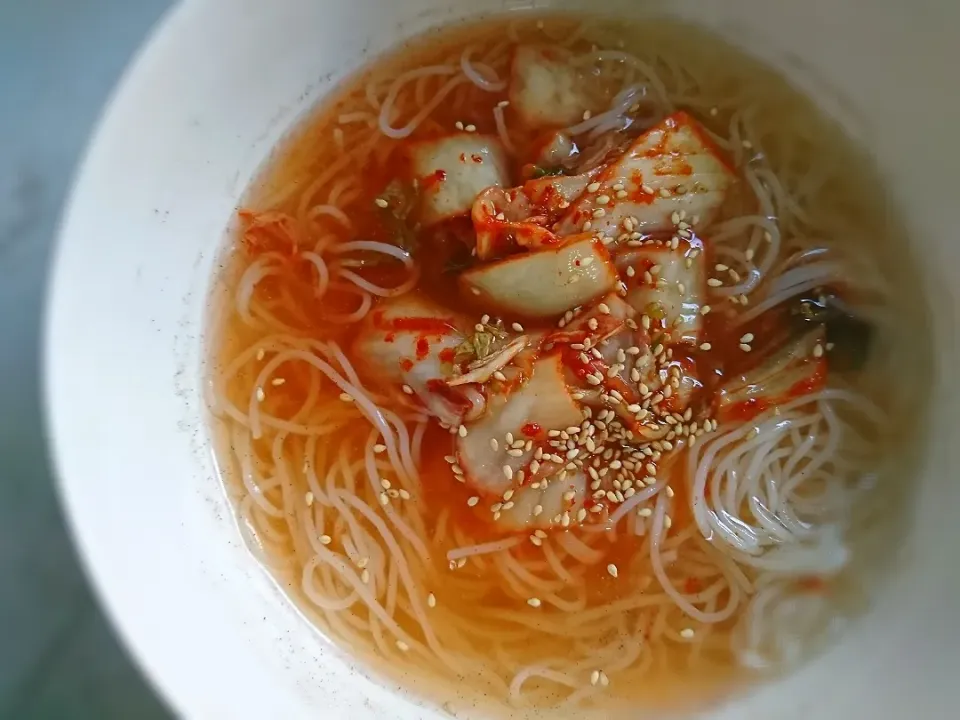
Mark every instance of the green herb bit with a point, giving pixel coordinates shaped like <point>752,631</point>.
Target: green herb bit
<point>542,172</point>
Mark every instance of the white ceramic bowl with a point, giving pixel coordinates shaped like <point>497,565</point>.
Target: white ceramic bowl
<point>195,116</point>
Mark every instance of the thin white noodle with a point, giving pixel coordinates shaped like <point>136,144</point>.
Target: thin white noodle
<point>475,73</point>
<point>386,109</point>
<point>502,132</point>
<point>482,548</point>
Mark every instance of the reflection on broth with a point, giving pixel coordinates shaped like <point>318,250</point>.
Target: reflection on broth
<point>554,368</point>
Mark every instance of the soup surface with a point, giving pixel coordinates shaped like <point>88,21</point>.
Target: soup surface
<point>556,363</point>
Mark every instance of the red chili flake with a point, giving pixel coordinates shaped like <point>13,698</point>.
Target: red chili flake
<point>406,364</point>
<point>531,430</point>
<point>423,348</point>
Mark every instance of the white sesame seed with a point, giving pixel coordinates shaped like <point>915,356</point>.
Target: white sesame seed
<point>818,350</point>
<point>508,472</point>
<point>402,646</point>
<point>499,376</point>
<point>612,570</point>
<point>325,539</point>
<point>604,680</point>
<point>458,125</point>
<point>381,202</point>
<point>593,187</point>
<point>687,633</point>
<point>462,431</point>
<point>472,502</point>
<point>260,394</point>
<point>595,677</point>
<point>407,389</point>
<point>714,282</point>
<point>471,128</point>
<point>745,347</point>
<point>384,498</point>
<point>705,346</point>
<point>309,498</point>
<point>534,602</point>
<point>603,199</point>
<point>261,353</point>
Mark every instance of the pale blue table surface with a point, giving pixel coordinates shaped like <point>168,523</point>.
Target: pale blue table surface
<point>59,658</point>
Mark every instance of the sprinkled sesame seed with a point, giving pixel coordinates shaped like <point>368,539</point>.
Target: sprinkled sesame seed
<point>612,570</point>
<point>705,346</point>
<point>534,602</point>
<point>714,282</point>
<point>309,498</point>
<point>380,202</point>
<point>603,199</point>
<point>749,254</point>
<point>325,539</point>
<point>458,125</point>
<point>384,483</point>
<point>260,394</point>
<point>818,350</point>
<point>705,310</point>
<point>745,347</point>
<point>407,389</point>
<point>586,226</point>
<point>587,115</point>
<point>402,646</point>
<point>508,472</point>
<point>462,431</point>
<point>604,680</point>
<point>384,498</point>
<point>260,354</point>
<point>594,677</point>
<point>471,128</point>
<point>687,633</point>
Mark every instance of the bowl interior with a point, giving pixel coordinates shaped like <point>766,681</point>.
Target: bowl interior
<point>190,125</point>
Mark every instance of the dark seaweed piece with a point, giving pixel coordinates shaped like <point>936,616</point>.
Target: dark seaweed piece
<point>848,337</point>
